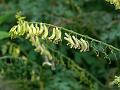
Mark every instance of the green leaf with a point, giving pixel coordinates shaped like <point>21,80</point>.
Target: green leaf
<point>3,35</point>
<point>5,17</point>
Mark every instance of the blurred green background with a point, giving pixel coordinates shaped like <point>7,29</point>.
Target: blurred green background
<point>21,67</point>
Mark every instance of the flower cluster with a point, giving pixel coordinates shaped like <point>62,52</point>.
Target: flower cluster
<point>37,29</point>
<point>76,43</point>
<point>116,81</point>
<point>115,2</point>
<point>32,32</point>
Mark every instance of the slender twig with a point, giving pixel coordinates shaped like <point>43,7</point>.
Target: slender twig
<point>85,36</point>
<point>6,57</point>
<point>19,58</point>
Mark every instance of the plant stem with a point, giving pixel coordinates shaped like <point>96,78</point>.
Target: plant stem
<point>85,36</point>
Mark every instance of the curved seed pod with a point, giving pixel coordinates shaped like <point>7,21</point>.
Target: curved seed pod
<point>87,46</point>
<point>23,28</point>
<point>45,33</point>
<point>46,52</point>
<point>47,63</point>
<point>37,42</point>
<point>77,45</point>
<point>58,35</point>
<point>37,29</point>
<point>39,48</point>
<point>33,29</point>
<point>41,29</point>
<point>53,35</point>
<point>69,39</point>
<point>29,32</point>
<point>19,29</point>
<point>83,44</point>
<point>13,31</point>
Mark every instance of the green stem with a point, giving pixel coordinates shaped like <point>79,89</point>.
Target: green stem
<point>19,58</point>
<point>85,36</point>
<point>5,57</point>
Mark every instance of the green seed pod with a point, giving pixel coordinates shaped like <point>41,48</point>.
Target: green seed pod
<point>47,63</point>
<point>33,29</point>
<point>83,45</point>
<point>69,39</point>
<point>53,35</point>
<point>46,52</point>
<point>37,29</point>
<point>29,32</point>
<point>37,41</point>
<point>58,35</point>
<point>23,28</point>
<point>13,32</point>
<point>87,46</point>
<point>77,45</point>
<point>45,33</point>
<point>41,29</point>
<point>19,29</point>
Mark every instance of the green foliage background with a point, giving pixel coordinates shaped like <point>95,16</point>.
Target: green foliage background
<point>21,67</point>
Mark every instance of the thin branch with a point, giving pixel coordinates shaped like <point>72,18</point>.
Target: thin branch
<point>6,57</point>
<point>85,36</point>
